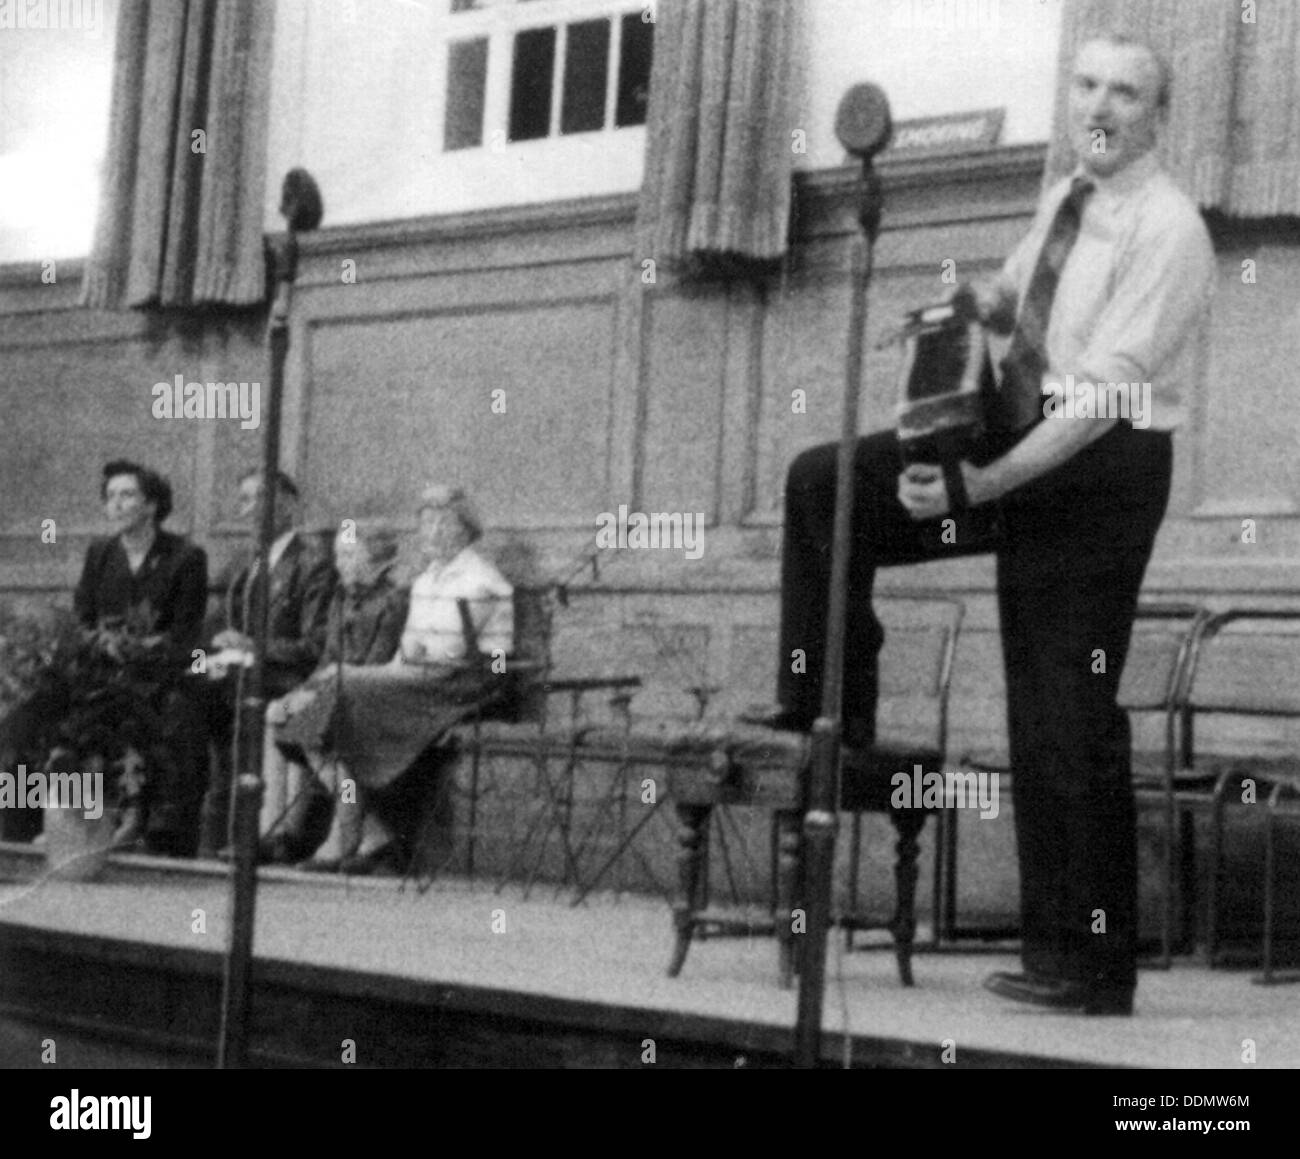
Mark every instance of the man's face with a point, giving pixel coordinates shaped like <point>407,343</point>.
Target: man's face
<point>250,499</point>
<point>125,505</point>
<point>351,559</point>
<point>1114,116</point>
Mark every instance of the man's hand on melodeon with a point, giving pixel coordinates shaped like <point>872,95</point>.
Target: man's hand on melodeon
<point>922,491</point>
<point>992,303</point>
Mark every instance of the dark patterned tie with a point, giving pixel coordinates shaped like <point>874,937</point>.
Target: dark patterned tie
<point>1019,402</point>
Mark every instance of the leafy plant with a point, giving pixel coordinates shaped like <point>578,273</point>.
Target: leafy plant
<point>97,690</point>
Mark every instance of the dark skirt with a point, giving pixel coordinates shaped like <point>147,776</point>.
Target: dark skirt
<point>384,717</point>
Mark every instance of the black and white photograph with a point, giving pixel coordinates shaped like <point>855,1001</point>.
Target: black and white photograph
<point>651,534</point>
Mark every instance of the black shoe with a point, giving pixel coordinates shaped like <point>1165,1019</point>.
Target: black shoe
<point>281,849</point>
<point>1058,994</point>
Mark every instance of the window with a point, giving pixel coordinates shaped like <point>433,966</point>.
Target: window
<point>529,70</point>
<point>55,79</point>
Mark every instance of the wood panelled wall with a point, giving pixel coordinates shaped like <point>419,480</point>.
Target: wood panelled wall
<point>528,355</point>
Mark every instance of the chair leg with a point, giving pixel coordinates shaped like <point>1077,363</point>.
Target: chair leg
<point>945,879</point>
<point>789,893</point>
<point>1216,862</point>
<point>908,825</point>
<point>855,863</point>
<point>1270,865</point>
<point>692,875</point>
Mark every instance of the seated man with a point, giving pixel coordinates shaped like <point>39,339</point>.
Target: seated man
<point>301,585</point>
<point>1110,289</point>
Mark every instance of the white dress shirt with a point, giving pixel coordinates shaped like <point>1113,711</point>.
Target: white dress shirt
<point>1132,303</point>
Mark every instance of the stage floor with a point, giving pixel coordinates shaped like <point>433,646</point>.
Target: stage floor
<point>612,953</point>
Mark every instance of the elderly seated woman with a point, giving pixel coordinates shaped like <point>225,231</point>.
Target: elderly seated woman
<point>461,617</point>
<point>365,621</point>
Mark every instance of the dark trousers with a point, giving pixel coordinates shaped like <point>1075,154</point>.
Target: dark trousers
<point>1072,550</point>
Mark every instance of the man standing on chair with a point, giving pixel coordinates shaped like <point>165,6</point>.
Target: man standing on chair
<point>1110,288</point>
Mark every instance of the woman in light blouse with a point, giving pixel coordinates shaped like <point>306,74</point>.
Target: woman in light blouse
<point>450,663</point>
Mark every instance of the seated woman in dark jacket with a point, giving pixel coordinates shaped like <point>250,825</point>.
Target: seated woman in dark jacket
<point>118,694</point>
<point>154,585</point>
<point>365,623</point>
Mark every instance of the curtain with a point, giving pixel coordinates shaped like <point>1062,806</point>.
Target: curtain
<point>719,131</point>
<point>1233,137</point>
<point>180,222</point>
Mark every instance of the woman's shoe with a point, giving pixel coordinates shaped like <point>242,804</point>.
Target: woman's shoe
<point>129,833</point>
<point>382,861</point>
<point>321,865</point>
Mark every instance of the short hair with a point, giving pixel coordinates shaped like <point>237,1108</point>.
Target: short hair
<point>439,496</point>
<point>284,484</point>
<point>1126,39</point>
<point>153,486</point>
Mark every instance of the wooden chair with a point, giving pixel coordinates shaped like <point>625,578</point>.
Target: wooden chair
<point>916,667</point>
<point>1247,674</point>
<point>761,768</point>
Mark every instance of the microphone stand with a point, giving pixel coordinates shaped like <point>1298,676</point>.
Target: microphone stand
<point>301,204</point>
<point>863,126</point>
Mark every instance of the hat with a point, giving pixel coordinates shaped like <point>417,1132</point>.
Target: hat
<point>380,537</point>
<point>441,496</point>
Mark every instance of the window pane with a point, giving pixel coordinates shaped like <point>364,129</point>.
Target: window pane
<point>530,84</point>
<point>586,70</point>
<point>466,91</point>
<point>634,70</point>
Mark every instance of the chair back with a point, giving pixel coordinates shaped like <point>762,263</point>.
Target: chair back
<point>1245,665</point>
<point>530,663</point>
<point>1153,685</point>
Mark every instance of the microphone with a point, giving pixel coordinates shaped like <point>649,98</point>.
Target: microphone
<point>862,122</point>
<point>300,201</point>
<point>864,126</point>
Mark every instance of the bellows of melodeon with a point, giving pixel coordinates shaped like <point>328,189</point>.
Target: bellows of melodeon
<point>944,384</point>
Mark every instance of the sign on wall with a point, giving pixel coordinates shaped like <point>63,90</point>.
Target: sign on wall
<point>949,133</point>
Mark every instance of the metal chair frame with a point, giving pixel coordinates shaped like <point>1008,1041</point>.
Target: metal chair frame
<point>1282,783</point>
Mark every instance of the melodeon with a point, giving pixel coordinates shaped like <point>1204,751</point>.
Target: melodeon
<point>945,385</point>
